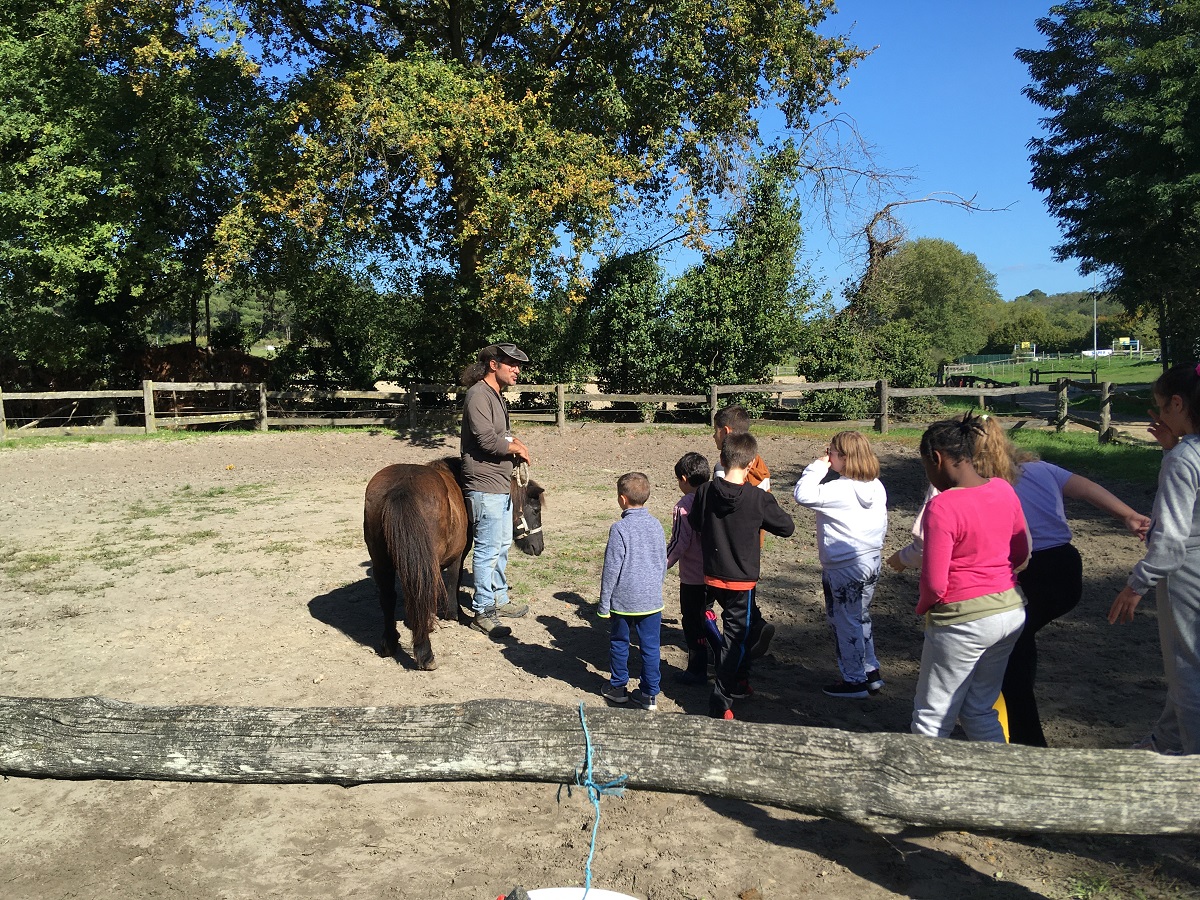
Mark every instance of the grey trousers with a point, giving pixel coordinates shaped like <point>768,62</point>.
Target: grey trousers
<point>962,668</point>
<point>1178,597</point>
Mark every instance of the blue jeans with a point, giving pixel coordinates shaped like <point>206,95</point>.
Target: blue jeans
<point>649,634</point>
<point>848,593</point>
<point>491,515</point>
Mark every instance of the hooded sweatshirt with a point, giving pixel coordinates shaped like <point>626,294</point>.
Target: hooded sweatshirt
<point>851,515</point>
<point>728,517</point>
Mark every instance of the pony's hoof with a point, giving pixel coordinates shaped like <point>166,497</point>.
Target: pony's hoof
<point>427,663</point>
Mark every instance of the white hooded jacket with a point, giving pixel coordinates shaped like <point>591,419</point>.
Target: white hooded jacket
<point>851,515</point>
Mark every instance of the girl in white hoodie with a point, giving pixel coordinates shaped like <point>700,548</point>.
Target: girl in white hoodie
<point>851,508</point>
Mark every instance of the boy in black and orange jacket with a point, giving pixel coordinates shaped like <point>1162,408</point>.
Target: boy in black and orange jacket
<point>729,513</point>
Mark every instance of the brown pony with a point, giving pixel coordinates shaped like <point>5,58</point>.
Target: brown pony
<point>417,529</point>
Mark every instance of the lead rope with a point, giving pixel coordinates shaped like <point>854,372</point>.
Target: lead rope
<point>595,791</point>
<point>521,474</point>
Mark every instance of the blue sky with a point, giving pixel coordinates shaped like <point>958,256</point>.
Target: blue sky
<point>941,96</point>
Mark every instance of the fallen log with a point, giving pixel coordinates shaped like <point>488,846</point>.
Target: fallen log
<point>884,781</point>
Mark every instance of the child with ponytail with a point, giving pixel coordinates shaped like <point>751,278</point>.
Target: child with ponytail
<point>975,541</point>
<point>1172,560</point>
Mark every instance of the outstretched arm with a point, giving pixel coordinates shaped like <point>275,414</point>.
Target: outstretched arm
<point>1080,488</point>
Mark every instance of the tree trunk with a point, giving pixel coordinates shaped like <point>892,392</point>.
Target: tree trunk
<point>884,781</point>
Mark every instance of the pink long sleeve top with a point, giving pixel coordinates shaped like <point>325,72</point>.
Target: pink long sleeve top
<point>976,541</point>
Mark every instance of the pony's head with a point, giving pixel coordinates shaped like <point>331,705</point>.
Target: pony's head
<point>527,517</point>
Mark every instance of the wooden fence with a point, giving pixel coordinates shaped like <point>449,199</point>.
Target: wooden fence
<point>160,405</point>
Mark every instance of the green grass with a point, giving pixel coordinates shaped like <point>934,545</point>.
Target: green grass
<point>1117,369</point>
<point>28,441</point>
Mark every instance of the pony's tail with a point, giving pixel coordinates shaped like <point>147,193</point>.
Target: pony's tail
<point>411,549</point>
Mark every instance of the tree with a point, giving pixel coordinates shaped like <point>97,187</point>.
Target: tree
<point>1120,157</point>
<point>941,291</point>
<point>738,313</point>
<point>493,141</point>
<point>632,342</point>
<point>118,151</point>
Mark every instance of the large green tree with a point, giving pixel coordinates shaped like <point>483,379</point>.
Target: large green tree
<point>494,141</point>
<point>943,292</point>
<point>1120,156</point>
<point>118,156</point>
<point>738,313</point>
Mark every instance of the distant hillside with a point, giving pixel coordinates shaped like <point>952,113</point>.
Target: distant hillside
<point>1071,302</point>
<point>1063,323</point>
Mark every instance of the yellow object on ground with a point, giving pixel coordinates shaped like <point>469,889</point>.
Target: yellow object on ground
<point>999,707</point>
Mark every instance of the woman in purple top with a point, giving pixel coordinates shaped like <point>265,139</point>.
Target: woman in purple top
<point>1053,580</point>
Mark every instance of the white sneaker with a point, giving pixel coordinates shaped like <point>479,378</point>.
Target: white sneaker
<point>1150,742</point>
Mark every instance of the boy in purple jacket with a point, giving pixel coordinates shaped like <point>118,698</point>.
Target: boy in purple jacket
<point>684,548</point>
<point>635,564</point>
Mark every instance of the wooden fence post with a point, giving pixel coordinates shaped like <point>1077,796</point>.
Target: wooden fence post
<point>148,406</point>
<point>560,392</point>
<point>1060,404</point>
<point>982,403</point>
<point>2,423</point>
<point>1105,412</point>
<point>262,406</point>
<point>881,421</point>
<point>712,406</point>
<point>413,403</point>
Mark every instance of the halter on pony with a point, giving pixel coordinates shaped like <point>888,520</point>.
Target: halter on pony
<point>520,480</point>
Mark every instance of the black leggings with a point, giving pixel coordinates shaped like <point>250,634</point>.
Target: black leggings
<point>1053,585</point>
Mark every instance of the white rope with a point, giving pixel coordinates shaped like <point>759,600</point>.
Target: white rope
<point>521,474</point>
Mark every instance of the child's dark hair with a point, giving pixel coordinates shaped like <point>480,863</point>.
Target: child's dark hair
<point>1183,381</point>
<point>693,467</point>
<point>634,487</point>
<point>735,418</point>
<point>954,438</point>
<point>738,451</point>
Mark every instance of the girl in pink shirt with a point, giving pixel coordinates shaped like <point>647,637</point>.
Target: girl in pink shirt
<point>976,541</point>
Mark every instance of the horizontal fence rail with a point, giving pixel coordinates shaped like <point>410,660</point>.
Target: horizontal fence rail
<point>174,405</point>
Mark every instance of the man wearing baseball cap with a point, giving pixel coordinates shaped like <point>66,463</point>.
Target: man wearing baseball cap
<point>489,451</point>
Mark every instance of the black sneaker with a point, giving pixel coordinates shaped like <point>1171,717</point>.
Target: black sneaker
<point>875,682</point>
<point>489,623</point>
<point>637,698</point>
<point>763,644</point>
<point>742,690</point>
<point>615,694</point>
<point>847,691</point>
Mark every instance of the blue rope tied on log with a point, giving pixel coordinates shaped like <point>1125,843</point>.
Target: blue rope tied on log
<point>595,791</point>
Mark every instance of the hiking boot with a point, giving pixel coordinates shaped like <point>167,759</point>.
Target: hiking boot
<point>763,644</point>
<point>489,623</point>
<point>615,694</point>
<point>513,609</point>
<point>637,698</point>
<point>875,682</point>
<point>847,691</point>
<point>742,690</point>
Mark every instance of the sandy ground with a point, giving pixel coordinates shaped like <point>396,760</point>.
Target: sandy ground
<point>230,569</point>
